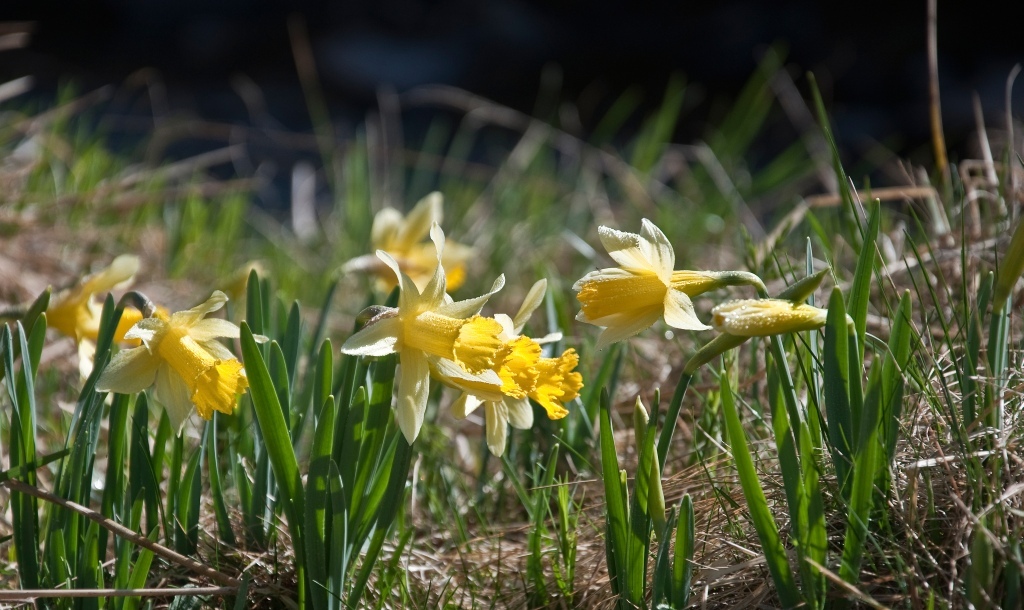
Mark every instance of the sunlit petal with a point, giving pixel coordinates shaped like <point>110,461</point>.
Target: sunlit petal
<point>532,301</point>
<point>174,395</point>
<point>377,339</point>
<point>411,393</point>
<point>520,413</point>
<point>679,312</point>
<point>129,371</point>
<point>497,427</point>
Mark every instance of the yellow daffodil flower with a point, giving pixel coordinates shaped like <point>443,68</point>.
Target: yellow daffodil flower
<point>524,374</point>
<point>404,238</point>
<point>181,356</point>
<point>429,329</point>
<point>645,287</point>
<point>75,313</point>
<point>630,298</point>
<point>765,317</point>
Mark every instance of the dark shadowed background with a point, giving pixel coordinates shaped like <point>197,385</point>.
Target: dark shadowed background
<point>869,57</point>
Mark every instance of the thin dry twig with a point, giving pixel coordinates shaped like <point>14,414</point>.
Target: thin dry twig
<point>124,532</point>
<point>27,595</point>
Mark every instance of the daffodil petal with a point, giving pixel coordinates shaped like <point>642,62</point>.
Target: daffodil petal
<point>377,339</point>
<point>434,291</point>
<point>411,393</point>
<point>145,329</point>
<point>485,385</point>
<point>216,349</point>
<point>386,227</point>
<point>608,273</point>
<point>679,312</point>
<point>497,427</point>
<point>520,413</point>
<point>471,307</point>
<point>409,295</point>
<point>190,317</point>
<point>419,220</point>
<point>173,394</point>
<point>466,404</point>
<point>531,302</point>
<point>213,328</point>
<point>129,371</point>
<point>120,271</point>
<point>657,250</point>
<point>623,247</point>
<point>626,325</point>
<point>86,355</point>
<point>508,327</point>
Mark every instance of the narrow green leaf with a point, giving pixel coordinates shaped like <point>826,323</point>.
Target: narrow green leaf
<point>862,491</point>
<point>278,444</point>
<point>616,547</point>
<point>757,504</point>
<point>682,563</point>
<point>214,466</point>
<point>318,554</point>
<point>860,291</point>
<point>836,379</point>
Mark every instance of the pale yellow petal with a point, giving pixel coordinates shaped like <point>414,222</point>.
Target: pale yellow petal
<point>426,212</point>
<point>129,371</point>
<point>679,312</point>
<point>213,328</point>
<point>497,427</point>
<point>174,395</point>
<point>377,339</point>
<point>121,270</point>
<point>189,317</point>
<point>623,326</point>
<point>657,250</point>
<point>386,226</point>
<point>471,307</point>
<point>434,291</point>
<point>520,413</point>
<point>624,248</point>
<point>532,301</point>
<point>466,404</point>
<point>411,393</point>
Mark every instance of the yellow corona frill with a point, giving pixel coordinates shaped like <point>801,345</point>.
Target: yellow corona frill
<point>427,330</point>
<point>765,317</point>
<point>524,374</point>
<point>631,297</point>
<point>181,356</point>
<point>404,238</point>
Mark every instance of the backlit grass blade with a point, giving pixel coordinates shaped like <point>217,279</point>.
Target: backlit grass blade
<point>318,554</point>
<point>186,522</point>
<point>214,466</point>
<point>863,478</point>
<point>278,444</point>
<point>142,481</point>
<point>860,290</point>
<point>836,379</point>
<point>615,503</point>
<point>114,487</point>
<point>682,562</point>
<point>757,504</point>
<point>22,451</point>
<point>893,375</point>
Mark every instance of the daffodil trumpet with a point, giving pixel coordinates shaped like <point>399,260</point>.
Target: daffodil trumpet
<point>182,358</point>
<point>429,329</point>
<point>524,375</point>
